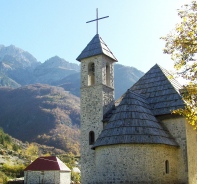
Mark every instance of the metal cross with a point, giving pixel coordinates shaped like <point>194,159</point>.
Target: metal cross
<point>97,20</point>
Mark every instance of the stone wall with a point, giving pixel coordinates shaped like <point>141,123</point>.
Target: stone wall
<point>95,101</point>
<point>136,163</point>
<point>191,153</point>
<point>49,177</point>
<point>177,128</point>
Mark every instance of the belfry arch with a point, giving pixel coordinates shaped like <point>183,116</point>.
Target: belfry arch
<point>91,74</point>
<point>107,74</point>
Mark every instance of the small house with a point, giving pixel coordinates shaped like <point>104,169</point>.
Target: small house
<point>49,169</point>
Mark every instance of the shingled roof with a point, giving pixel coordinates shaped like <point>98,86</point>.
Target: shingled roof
<point>133,123</point>
<point>95,47</point>
<point>49,163</point>
<point>160,89</point>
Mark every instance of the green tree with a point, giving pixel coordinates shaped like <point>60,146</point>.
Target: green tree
<point>181,44</point>
<point>3,178</point>
<point>13,170</point>
<point>32,152</point>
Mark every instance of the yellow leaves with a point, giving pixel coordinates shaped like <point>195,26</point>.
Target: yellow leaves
<point>184,19</point>
<point>32,151</point>
<point>189,94</point>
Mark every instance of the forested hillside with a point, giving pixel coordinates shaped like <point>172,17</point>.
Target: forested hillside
<point>41,113</point>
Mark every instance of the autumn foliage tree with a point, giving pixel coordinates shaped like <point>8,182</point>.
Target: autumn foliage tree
<point>181,44</point>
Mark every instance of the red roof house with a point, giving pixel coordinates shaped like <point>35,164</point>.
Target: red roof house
<point>48,169</point>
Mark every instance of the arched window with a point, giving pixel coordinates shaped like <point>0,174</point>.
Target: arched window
<point>107,75</point>
<point>91,74</point>
<point>167,167</point>
<point>91,138</point>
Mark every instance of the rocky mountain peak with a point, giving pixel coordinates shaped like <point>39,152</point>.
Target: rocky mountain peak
<point>16,57</point>
<point>57,62</point>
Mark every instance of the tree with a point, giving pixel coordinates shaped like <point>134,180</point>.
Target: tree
<point>181,44</point>
<point>32,152</point>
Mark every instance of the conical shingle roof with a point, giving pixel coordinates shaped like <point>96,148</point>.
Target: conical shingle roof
<point>133,123</point>
<point>160,89</point>
<point>95,47</point>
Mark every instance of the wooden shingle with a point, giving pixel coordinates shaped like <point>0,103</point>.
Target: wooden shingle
<point>132,122</point>
<point>160,89</point>
<point>95,47</point>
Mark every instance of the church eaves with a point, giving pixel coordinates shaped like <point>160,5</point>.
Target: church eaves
<point>95,47</point>
<point>132,122</point>
<point>160,89</point>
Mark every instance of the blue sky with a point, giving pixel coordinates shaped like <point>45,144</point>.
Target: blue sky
<point>46,28</point>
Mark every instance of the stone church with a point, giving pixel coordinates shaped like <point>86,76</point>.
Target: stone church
<point>135,139</point>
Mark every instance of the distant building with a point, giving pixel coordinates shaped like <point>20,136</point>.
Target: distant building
<point>48,170</point>
<point>135,139</point>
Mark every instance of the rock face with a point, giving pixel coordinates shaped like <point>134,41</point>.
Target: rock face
<point>16,57</point>
<point>54,69</point>
<point>17,64</point>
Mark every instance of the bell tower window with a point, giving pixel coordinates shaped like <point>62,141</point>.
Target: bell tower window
<point>91,74</point>
<point>91,138</point>
<point>107,75</point>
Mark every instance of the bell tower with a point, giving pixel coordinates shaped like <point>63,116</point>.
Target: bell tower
<point>97,97</point>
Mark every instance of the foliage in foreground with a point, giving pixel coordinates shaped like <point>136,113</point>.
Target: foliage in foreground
<point>3,178</point>
<point>181,44</point>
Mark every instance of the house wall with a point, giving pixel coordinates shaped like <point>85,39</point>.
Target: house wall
<point>177,128</point>
<point>65,177</point>
<point>49,177</point>
<point>136,164</point>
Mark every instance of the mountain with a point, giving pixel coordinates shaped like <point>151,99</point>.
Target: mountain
<point>41,113</point>
<point>18,68</point>
<point>129,75</point>
<point>16,57</point>
<point>17,64</point>
<point>54,69</point>
<point>6,81</point>
<point>22,68</point>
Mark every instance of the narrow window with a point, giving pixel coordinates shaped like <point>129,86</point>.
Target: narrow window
<point>91,74</point>
<point>107,75</point>
<point>167,167</point>
<point>91,138</point>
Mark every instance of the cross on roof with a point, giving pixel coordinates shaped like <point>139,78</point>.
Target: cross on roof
<point>97,20</point>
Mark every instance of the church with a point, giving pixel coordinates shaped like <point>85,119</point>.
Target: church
<point>135,139</point>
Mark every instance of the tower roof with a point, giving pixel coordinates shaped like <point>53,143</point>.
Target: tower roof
<point>48,163</point>
<point>160,89</point>
<point>133,123</point>
<point>95,47</point>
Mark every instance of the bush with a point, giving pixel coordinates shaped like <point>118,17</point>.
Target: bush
<point>3,178</point>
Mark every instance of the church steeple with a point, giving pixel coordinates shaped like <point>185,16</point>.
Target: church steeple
<point>97,98</point>
<point>95,47</point>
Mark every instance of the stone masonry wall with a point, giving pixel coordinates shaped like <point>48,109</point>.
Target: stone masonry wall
<point>177,128</point>
<point>49,177</point>
<point>95,101</point>
<point>136,164</point>
<point>191,153</point>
